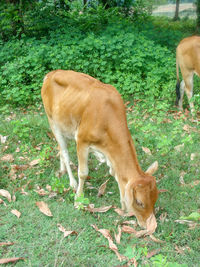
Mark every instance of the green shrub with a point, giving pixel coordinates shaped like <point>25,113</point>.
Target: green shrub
<point>137,58</point>
<point>119,55</point>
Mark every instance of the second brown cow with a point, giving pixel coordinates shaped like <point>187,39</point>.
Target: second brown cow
<point>188,58</point>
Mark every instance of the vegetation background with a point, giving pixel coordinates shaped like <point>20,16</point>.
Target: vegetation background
<point>120,43</point>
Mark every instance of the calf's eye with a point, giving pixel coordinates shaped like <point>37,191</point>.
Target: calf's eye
<point>139,203</point>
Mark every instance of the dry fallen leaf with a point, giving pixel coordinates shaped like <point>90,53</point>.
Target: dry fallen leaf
<point>163,217</point>
<point>6,194</point>
<point>146,150</point>
<point>193,183</point>
<point>3,261</point>
<point>186,128</point>
<point>52,194</point>
<point>122,213</point>
<point>16,213</point>
<point>48,187</point>
<point>19,167</point>
<point>112,246</point>
<point>119,211</point>
<point>129,230</point>
<point>43,207</point>
<point>179,250</point>
<point>3,139</point>
<point>66,233</point>
<point>6,244</point>
<point>163,191</point>
<point>156,239</point>
<point>141,233</point>
<point>192,156</point>
<point>17,150</point>
<point>23,192</point>
<point>15,168</point>
<point>151,224</point>
<point>41,192</point>
<point>118,236</point>
<point>179,147</point>
<point>8,158</point>
<point>34,162</point>
<point>181,179</point>
<point>102,188</point>
<point>91,208</point>
<point>132,262</point>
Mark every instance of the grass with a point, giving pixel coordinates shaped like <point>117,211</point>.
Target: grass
<point>37,238</point>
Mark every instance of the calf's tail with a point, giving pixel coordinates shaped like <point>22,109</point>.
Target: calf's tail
<point>178,94</point>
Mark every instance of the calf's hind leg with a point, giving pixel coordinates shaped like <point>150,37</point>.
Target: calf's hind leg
<point>64,156</point>
<point>188,78</point>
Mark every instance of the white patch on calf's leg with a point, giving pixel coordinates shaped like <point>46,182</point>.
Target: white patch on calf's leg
<point>122,194</point>
<point>64,156</point>
<point>182,90</point>
<point>189,89</point>
<point>62,165</point>
<point>82,153</point>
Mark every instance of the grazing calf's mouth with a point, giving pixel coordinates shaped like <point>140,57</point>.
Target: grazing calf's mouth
<point>150,223</point>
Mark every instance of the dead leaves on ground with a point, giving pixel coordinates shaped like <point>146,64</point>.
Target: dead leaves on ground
<point>125,229</point>
<point>16,213</point>
<point>66,233</point>
<point>2,244</point>
<point>91,208</point>
<point>43,207</point>
<point>34,162</point>
<point>147,150</point>
<point>15,169</point>
<point>192,220</point>
<point>7,158</point>
<point>102,188</point>
<point>6,194</point>
<point>9,260</point>
<point>112,246</point>
<point>3,139</point>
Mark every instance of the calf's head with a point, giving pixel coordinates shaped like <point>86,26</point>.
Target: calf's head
<point>141,196</point>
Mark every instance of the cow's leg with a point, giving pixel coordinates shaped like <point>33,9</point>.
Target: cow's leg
<point>182,90</point>
<point>189,89</point>
<point>64,156</point>
<point>82,154</point>
<point>62,164</point>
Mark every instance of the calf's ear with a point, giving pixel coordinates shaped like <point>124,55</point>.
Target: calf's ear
<point>153,168</point>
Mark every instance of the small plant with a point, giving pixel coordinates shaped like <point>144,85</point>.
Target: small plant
<point>21,128</point>
<point>137,253</point>
<point>81,202</point>
<point>46,153</point>
<point>58,185</point>
<point>161,261</point>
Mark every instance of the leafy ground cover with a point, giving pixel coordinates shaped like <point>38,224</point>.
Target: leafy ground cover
<point>29,162</point>
<point>137,58</point>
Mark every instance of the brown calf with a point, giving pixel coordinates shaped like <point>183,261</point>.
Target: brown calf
<point>91,112</point>
<point>188,58</point>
